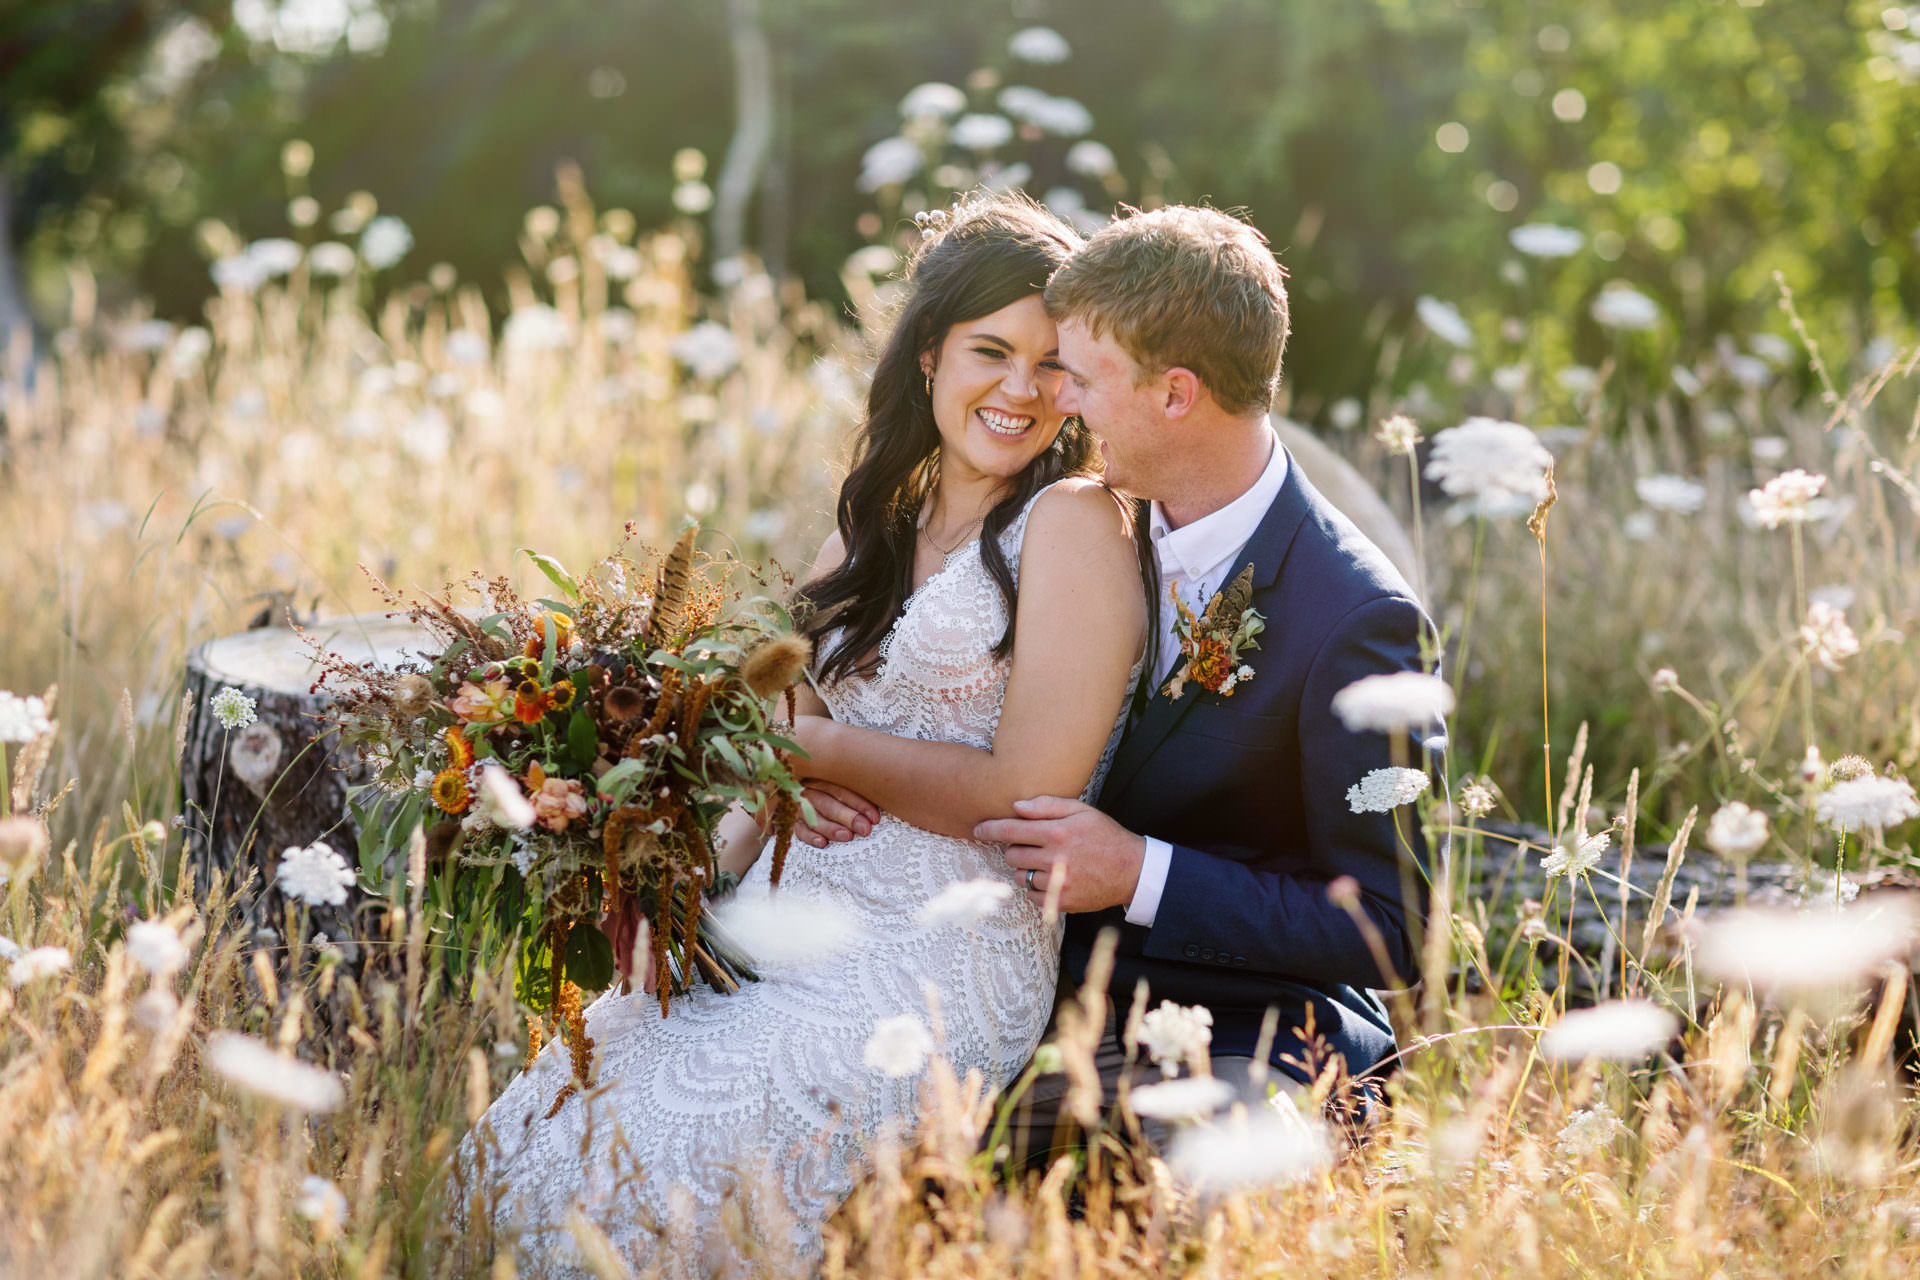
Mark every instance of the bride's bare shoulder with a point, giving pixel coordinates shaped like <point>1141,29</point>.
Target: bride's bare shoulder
<point>833,554</point>
<point>1082,510</point>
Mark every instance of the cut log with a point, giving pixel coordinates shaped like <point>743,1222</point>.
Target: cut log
<point>249,794</point>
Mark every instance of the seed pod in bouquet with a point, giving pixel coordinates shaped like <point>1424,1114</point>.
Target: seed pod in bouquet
<point>775,664</point>
<point>412,695</point>
<point>671,596</point>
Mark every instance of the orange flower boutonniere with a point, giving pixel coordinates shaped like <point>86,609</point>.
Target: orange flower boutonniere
<point>1211,644</point>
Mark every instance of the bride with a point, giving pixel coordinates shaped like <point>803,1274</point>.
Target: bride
<point>980,605</point>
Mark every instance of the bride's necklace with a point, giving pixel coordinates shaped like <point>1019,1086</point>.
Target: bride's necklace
<point>965,529</point>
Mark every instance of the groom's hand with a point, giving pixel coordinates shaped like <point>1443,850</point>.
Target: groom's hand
<point>1079,854</point>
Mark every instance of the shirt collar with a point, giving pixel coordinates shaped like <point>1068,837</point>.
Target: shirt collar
<point>1196,548</point>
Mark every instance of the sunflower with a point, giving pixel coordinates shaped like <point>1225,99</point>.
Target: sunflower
<point>560,697</point>
<point>459,750</point>
<point>451,792</point>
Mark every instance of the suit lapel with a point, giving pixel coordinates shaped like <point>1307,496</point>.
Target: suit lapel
<point>1267,550</point>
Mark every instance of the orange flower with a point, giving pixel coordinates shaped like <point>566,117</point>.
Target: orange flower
<point>562,632</point>
<point>529,703</point>
<point>451,792</point>
<point>459,750</point>
<point>1212,664</point>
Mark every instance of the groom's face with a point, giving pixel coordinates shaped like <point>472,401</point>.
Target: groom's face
<point>1105,386</point>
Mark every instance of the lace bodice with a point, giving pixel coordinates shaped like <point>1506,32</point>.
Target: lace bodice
<point>764,1097</point>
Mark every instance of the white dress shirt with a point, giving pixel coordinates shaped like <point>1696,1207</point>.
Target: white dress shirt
<point>1194,560</point>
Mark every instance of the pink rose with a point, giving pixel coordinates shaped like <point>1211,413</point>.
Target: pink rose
<point>473,702</point>
<point>558,802</point>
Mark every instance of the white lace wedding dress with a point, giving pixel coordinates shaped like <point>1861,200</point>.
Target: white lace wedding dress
<point>762,1098</point>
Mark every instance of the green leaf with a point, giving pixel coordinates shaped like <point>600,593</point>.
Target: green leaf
<point>589,958</point>
<point>555,571</point>
<point>618,782</point>
<point>582,739</point>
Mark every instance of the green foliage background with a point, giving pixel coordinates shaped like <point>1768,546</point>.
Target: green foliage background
<point>1752,135</point>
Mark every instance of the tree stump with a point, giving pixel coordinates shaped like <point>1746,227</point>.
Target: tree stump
<point>249,794</point>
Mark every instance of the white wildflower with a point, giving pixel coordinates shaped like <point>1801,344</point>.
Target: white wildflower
<point>252,1066</point>
<point>536,327</point>
<point>1176,1033</point>
<point>1399,434</point>
<point>321,1201</point>
<point>1788,498</point>
<point>331,258</point>
<point>156,947</point>
<point>315,874</point>
<point>1267,1148</point>
<point>1623,1030</point>
<point>1090,159</point>
<point>1639,526</point>
<point>238,272</point>
<point>932,101</point>
<point>1805,949</point>
<point>710,350</point>
<point>427,436</point>
<point>889,162</point>
<point>1384,790</point>
<point>1545,240</point>
<point>1194,1098</point>
<point>1476,800</point>
<point>1589,1132</point>
<point>1748,371</point>
<point>501,799</point>
<point>385,241</point>
<point>232,708</point>
<point>981,131</point>
<point>1737,831</point>
<point>1837,594</point>
<point>964,902</point>
<point>155,1010</point>
<point>1443,320</point>
<point>1062,117</point>
<point>1826,635</point>
<point>786,929</point>
<point>40,962</point>
<point>276,256</point>
<point>1775,349</point>
<point>1872,802</point>
<point>1685,379</point>
<point>1577,379</point>
<point>464,346</point>
<point>22,719</point>
<point>898,1046</point>
<point>1621,307</point>
<point>1671,493</point>
<point>1488,458</point>
<point>9,949</point>
<point>1393,702</point>
<point>1042,46</point>
<point>1578,859</point>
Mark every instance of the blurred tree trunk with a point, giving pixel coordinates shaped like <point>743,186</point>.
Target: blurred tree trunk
<point>753,128</point>
<point>13,302</point>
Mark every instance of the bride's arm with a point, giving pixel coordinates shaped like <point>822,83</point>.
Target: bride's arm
<point>1081,620</point>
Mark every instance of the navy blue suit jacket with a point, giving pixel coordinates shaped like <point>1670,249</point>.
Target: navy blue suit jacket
<point>1251,792</point>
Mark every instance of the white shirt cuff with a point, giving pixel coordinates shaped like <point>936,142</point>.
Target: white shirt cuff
<point>1153,883</point>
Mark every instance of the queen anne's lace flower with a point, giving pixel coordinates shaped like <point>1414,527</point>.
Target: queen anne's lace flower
<point>502,803</point>
<point>1671,493</point>
<point>1624,308</point>
<point>898,1046</point>
<point>1618,1029</point>
<point>314,874</point>
<point>1176,1033</point>
<point>788,928</point>
<point>1737,830</point>
<point>40,962</point>
<point>1476,800</point>
<point>1443,320</point>
<point>232,708</point>
<point>1589,1131</point>
<point>1544,240</point>
<point>1788,498</point>
<point>1393,702</point>
<point>22,719</point>
<point>156,947</point>
<point>1268,1147</point>
<point>1579,859</point>
<point>1384,790</point>
<point>322,1202</point>
<point>1826,635</point>
<point>964,902</point>
<point>1193,1098</point>
<point>1806,949</point>
<point>1863,803</point>
<point>1490,460</point>
<point>1399,434</point>
<point>253,1066</point>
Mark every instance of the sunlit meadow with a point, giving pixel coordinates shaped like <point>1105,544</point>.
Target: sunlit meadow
<point>1695,636</point>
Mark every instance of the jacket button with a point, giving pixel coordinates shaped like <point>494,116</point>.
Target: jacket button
<point>1192,950</point>
<point>1239,962</point>
<point>1225,958</point>
<point>1206,953</point>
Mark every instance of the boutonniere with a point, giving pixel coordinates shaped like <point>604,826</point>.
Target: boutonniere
<point>1211,644</point>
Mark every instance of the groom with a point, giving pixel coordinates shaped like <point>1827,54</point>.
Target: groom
<point>1223,849</point>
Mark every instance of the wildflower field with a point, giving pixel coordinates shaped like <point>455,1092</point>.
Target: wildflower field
<point>1678,615</point>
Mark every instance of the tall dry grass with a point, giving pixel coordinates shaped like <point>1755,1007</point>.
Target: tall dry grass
<point>149,496</point>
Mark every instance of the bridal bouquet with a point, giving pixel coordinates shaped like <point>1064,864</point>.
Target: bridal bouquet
<point>571,757</point>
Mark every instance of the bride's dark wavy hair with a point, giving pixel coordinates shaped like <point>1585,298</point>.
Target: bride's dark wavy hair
<point>989,253</point>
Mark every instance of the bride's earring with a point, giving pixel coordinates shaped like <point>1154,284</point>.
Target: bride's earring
<point>929,386</point>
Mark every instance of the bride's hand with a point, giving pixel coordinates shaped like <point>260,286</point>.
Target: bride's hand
<point>843,815</point>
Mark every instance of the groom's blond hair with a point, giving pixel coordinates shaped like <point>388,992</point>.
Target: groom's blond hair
<point>1184,287</point>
